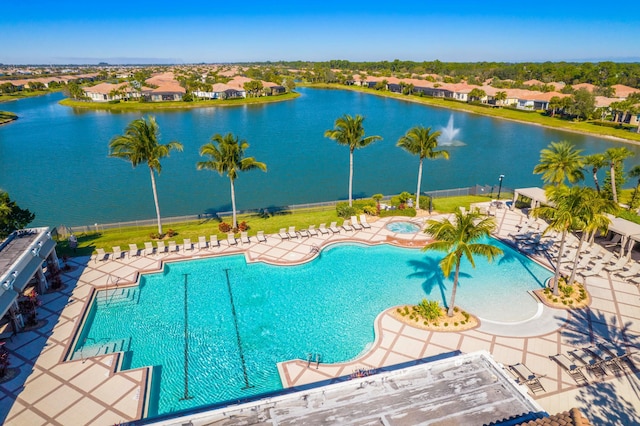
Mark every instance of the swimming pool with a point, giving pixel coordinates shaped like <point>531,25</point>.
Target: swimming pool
<point>327,306</point>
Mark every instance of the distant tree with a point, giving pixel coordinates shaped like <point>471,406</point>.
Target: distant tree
<point>75,91</point>
<point>555,103</point>
<point>597,162</point>
<point>477,94</point>
<point>349,131</point>
<point>635,173</point>
<point>500,97</point>
<point>253,87</point>
<point>584,103</point>
<point>289,84</point>
<point>12,217</point>
<point>616,157</point>
<point>140,145</point>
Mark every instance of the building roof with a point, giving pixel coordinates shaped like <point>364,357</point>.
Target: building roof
<point>568,418</point>
<point>623,91</point>
<point>462,389</point>
<point>590,87</point>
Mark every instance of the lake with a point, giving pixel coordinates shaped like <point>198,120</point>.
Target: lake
<point>55,159</point>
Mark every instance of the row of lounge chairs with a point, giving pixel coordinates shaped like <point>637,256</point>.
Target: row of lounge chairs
<point>598,360</point>
<point>312,231</point>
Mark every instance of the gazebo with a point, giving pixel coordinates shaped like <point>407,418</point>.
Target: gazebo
<point>629,231</point>
<point>535,194</point>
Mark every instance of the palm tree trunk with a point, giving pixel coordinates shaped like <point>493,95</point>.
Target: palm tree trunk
<point>455,287</point>
<point>577,257</point>
<point>595,179</point>
<point>155,199</point>
<point>418,189</point>
<point>350,177</point>
<point>556,277</point>
<point>613,184</point>
<point>234,223</point>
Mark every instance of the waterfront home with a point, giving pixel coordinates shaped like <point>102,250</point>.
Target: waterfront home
<point>105,92</point>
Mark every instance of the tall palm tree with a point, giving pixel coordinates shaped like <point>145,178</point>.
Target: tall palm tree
<point>460,238</point>
<point>634,173</point>
<point>616,156</point>
<point>590,210</point>
<point>421,142</point>
<point>138,145</point>
<point>560,161</point>
<point>597,162</point>
<point>348,131</point>
<point>566,207</point>
<point>228,157</point>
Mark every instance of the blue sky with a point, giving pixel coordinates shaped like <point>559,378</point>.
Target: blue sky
<point>70,32</point>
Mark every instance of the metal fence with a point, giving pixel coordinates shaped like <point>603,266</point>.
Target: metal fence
<point>63,230</point>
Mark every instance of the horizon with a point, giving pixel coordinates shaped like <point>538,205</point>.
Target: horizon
<point>158,33</point>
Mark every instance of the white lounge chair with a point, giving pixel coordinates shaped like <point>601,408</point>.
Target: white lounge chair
<point>283,234</point>
<point>334,228</point>
<point>133,250</point>
<point>313,232</point>
<point>244,238</point>
<point>363,222</point>
<point>570,367</point>
<point>323,229</point>
<point>231,239</point>
<point>161,248</point>
<point>213,242</point>
<point>173,247</point>
<point>261,238</point>
<point>187,244</point>
<point>606,258</point>
<point>292,232</point>
<point>355,224</point>
<point>117,253</point>
<point>634,270</point>
<point>618,265</point>
<point>148,248</point>
<point>202,242</point>
<point>593,271</point>
<point>346,226</point>
<point>101,255</point>
<point>614,241</point>
<point>304,233</point>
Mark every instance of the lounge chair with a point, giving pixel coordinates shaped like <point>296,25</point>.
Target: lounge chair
<point>101,255</point>
<point>570,367</point>
<point>186,244</point>
<point>594,250</point>
<point>261,238</point>
<point>231,239</point>
<point>283,234</point>
<point>346,226</point>
<point>527,377</point>
<point>161,247</point>
<point>133,250</point>
<point>244,237</point>
<point>587,359</point>
<point>614,241</point>
<point>117,253</point>
<point>323,229</point>
<point>334,228</point>
<point>313,232</point>
<point>304,233</point>
<point>148,248</point>
<point>593,271</point>
<point>605,358</point>
<point>202,242</point>
<point>585,260</point>
<point>355,224</point>
<point>363,222</point>
<point>606,258</point>
<point>213,242</point>
<point>618,265</point>
<point>173,247</point>
<point>292,232</point>
<point>633,271</point>
<point>616,353</point>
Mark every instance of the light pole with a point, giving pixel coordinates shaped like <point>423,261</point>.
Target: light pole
<point>500,185</point>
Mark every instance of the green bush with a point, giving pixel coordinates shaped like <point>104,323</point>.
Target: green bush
<point>446,324</point>
<point>407,212</point>
<point>370,210</point>
<point>344,210</point>
<point>429,309</point>
<point>424,202</point>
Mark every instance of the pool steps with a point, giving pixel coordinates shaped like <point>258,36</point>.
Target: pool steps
<point>104,348</point>
<point>118,297</point>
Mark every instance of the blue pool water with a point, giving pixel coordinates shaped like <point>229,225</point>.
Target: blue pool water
<point>327,306</point>
<point>403,227</point>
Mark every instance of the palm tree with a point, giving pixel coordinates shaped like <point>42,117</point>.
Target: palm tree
<point>597,162</point>
<point>460,238</point>
<point>500,96</point>
<point>591,212</point>
<point>634,173</point>
<point>560,161</point>
<point>616,156</point>
<point>348,131</point>
<point>566,207</point>
<point>138,145</point>
<point>420,141</point>
<point>228,157</point>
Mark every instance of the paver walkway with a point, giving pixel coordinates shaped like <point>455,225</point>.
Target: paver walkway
<point>93,391</point>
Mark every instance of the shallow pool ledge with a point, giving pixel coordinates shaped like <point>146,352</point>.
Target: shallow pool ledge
<point>546,320</point>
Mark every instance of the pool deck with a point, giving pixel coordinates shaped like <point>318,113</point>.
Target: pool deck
<point>48,390</point>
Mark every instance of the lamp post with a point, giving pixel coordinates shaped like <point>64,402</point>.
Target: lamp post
<point>500,185</point>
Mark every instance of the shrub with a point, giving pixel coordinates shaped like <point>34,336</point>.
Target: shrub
<point>408,212</point>
<point>429,309</point>
<point>463,322</point>
<point>555,300</point>
<point>155,236</point>
<point>424,202</point>
<point>425,323</point>
<point>370,210</point>
<point>242,226</point>
<point>566,290</point>
<point>171,233</point>
<point>224,227</point>
<point>344,210</point>
<point>446,324</point>
<point>456,309</point>
<point>399,310</point>
<point>455,324</point>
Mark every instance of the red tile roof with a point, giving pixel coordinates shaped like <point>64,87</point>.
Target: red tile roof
<point>572,417</point>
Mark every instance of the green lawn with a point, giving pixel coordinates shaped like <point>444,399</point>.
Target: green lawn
<point>151,106</point>
<point>88,242</point>
<point>6,116</point>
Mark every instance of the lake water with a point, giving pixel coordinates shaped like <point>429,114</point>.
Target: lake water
<point>55,159</point>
